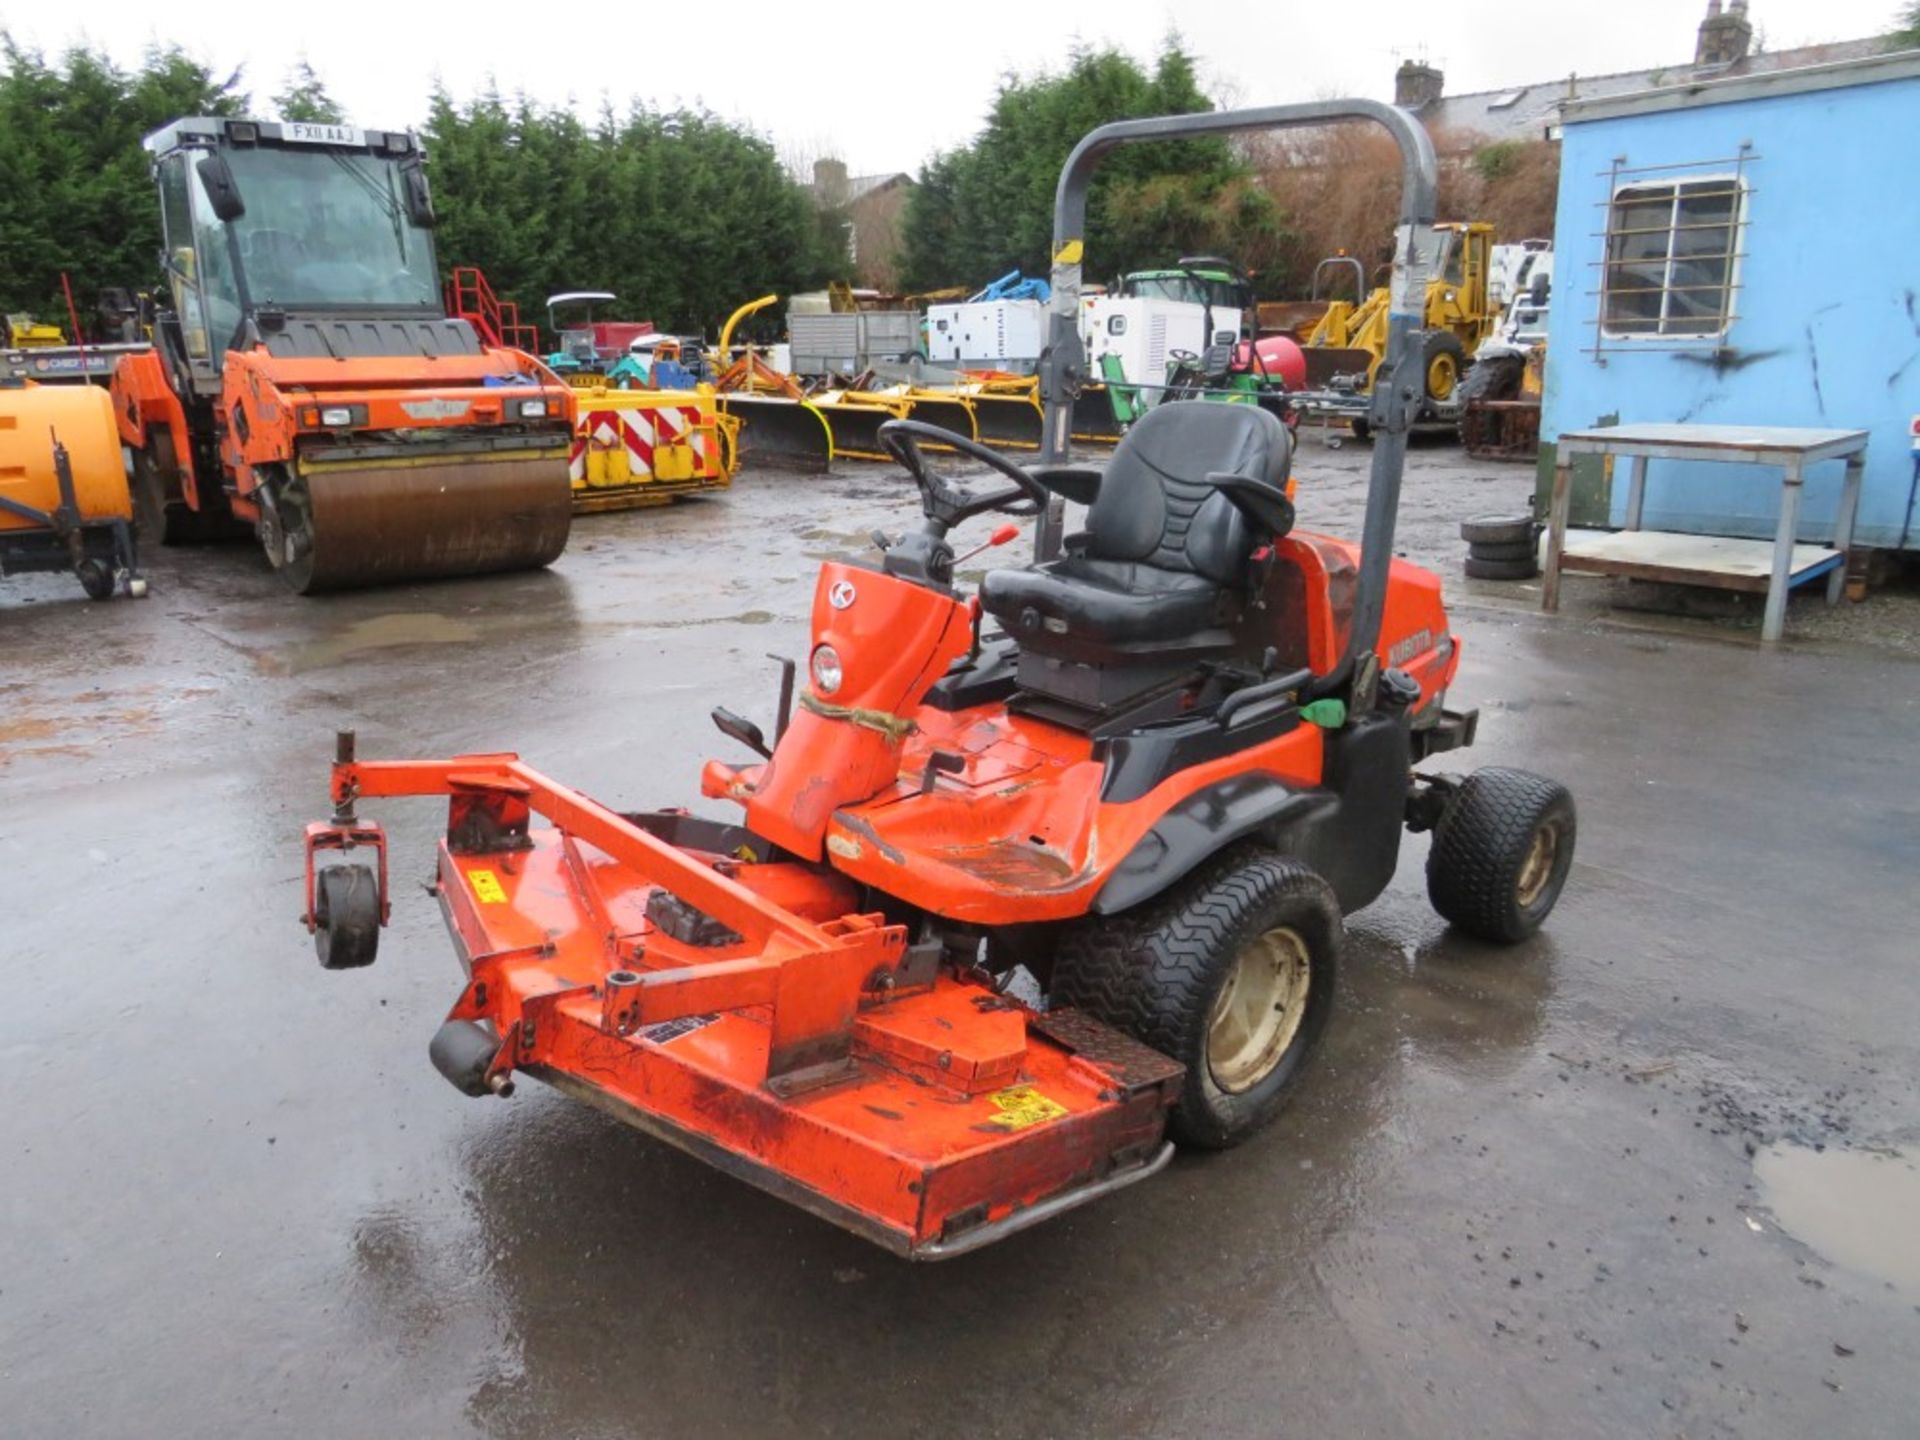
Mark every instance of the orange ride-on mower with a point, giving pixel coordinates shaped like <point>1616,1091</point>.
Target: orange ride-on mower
<point>1028,884</point>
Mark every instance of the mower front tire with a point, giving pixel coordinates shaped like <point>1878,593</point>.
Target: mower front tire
<point>1501,853</point>
<point>1230,972</point>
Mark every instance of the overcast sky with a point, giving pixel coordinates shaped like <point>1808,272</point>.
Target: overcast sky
<point>884,86</point>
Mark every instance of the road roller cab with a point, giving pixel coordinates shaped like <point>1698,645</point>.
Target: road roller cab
<point>304,382</point>
<point>1026,884</point>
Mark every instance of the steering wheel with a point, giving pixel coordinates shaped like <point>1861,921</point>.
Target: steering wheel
<point>944,504</point>
<point>1183,357</point>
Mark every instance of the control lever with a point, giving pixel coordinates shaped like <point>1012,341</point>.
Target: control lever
<point>950,761</point>
<point>738,727</point>
<point>882,541</point>
<point>999,537</point>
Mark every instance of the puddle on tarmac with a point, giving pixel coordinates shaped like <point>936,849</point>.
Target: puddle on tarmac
<point>421,627</point>
<point>1858,1208</point>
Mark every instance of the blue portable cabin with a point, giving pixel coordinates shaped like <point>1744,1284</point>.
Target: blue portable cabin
<point>1746,251</point>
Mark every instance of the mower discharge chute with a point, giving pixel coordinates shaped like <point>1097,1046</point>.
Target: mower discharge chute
<point>1025,884</point>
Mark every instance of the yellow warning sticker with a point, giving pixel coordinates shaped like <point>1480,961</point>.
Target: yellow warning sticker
<point>1021,1106</point>
<point>1069,253</point>
<point>486,887</point>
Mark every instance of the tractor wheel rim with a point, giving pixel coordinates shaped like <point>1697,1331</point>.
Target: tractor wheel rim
<point>1440,377</point>
<point>1537,867</point>
<point>1259,1010</point>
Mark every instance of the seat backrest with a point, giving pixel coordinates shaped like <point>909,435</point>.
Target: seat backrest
<point>1155,505</point>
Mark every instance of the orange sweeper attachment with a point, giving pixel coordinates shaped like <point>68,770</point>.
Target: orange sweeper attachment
<point>1029,884</point>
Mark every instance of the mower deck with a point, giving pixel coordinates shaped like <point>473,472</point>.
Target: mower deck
<point>735,1005</point>
<point>953,1115</point>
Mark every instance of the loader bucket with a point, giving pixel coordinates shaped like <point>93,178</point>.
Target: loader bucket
<point>792,434</point>
<point>1325,362</point>
<point>1094,422</point>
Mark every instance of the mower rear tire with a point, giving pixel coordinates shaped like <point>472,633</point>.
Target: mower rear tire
<point>1523,569</point>
<point>1230,972</point>
<point>1501,853</point>
<point>346,908</point>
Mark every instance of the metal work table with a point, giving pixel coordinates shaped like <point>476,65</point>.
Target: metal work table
<point>1702,559</point>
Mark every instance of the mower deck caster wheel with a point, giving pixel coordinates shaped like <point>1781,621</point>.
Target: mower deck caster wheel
<point>1501,853</point>
<point>1230,972</point>
<point>463,1052</point>
<point>346,909</point>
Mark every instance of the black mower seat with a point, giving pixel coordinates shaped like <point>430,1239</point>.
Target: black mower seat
<point>1164,552</point>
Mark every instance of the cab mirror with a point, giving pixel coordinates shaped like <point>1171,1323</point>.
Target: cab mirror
<point>419,197</point>
<point>216,178</point>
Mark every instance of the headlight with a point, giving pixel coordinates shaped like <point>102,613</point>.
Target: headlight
<point>825,669</point>
<point>334,415</point>
<point>533,409</point>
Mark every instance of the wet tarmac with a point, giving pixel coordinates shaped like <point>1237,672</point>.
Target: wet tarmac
<point>1649,1175</point>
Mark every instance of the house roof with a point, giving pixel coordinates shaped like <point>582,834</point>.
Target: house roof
<point>1529,112</point>
<point>859,187</point>
<point>1726,88</point>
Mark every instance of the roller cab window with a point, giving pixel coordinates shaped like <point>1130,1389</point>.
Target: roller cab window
<point>181,255</point>
<point>330,229</point>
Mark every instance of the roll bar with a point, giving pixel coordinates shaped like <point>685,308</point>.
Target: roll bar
<point>1397,389</point>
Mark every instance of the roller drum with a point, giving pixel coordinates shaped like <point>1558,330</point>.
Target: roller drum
<point>355,525</point>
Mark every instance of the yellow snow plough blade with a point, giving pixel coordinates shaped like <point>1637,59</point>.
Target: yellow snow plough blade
<point>775,430</point>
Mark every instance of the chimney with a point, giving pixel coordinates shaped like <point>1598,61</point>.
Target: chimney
<point>1724,35</point>
<point>830,182</point>
<point>1416,84</point>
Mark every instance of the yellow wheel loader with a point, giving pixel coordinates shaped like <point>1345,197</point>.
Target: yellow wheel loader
<point>1348,341</point>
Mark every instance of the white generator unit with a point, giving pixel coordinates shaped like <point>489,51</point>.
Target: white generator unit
<point>987,334</point>
<point>1145,334</point>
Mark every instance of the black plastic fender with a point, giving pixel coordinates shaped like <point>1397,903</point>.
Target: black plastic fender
<point>1200,826</point>
<point>1348,830</point>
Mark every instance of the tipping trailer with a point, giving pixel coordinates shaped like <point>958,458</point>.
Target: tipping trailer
<point>305,384</point>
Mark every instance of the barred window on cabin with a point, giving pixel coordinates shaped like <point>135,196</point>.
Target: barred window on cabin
<point>1670,253</point>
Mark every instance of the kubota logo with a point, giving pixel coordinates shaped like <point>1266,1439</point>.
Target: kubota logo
<point>435,409</point>
<point>840,594</point>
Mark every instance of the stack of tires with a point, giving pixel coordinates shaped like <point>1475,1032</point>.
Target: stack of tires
<point>1502,547</point>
